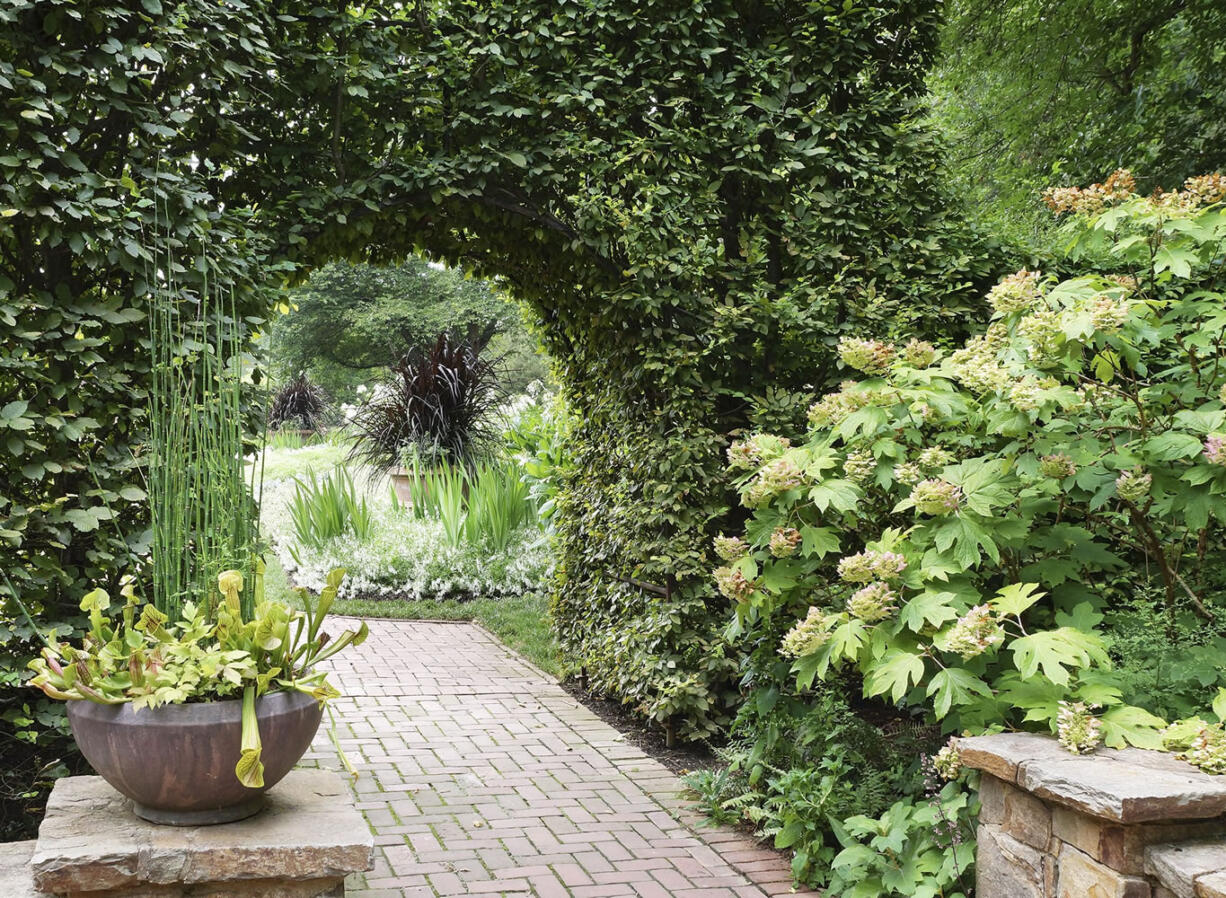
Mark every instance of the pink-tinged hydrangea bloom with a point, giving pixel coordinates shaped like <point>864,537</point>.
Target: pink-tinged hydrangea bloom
<point>1058,466</point>
<point>873,603</point>
<point>784,541</point>
<point>733,584</point>
<point>1215,449</point>
<point>807,636</point>
<point>936,497</point>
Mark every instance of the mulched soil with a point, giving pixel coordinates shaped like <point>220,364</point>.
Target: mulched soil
<point>681,758</point>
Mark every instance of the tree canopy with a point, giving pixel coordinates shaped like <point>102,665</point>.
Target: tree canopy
<point>1032,93</point>
<point>349,322</point>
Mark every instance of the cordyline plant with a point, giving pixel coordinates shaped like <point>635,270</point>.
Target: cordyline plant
<point>945,529</point>
<point>144,659</point>
<point>299,403</point>
<point>435,405</point>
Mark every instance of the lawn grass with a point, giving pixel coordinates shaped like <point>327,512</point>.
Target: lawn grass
<point>521,622</point>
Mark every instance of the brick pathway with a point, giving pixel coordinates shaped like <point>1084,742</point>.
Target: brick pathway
<point>480,776</point>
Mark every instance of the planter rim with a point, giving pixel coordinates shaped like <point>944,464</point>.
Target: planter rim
<point>204,713</point>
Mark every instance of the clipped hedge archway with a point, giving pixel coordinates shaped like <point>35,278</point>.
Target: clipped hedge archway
<point>697,199</point>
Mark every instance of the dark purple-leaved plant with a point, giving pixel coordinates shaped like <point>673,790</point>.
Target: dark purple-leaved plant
<point>299,403</point>
<point>435,402</point>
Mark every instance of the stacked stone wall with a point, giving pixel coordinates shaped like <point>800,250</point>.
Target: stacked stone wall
<point>1114,824</point>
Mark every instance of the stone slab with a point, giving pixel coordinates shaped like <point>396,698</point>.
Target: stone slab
<point>1211,886</point>
<point>1083,877</point>
<point>1007,868</point>
<point>15,878</point>
<point>1127,786</point>
<point>1179,866</point>
<point>1001,754</point>
<point>1126,792</point>
<point>91,841</point>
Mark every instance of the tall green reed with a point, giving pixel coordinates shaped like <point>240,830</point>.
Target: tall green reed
<point>204,515</point>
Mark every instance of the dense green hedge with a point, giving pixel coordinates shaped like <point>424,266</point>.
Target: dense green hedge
<point>698,199</point>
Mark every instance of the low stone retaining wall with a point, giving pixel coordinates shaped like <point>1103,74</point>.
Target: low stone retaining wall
<point>91,845</point>
<point>1114,824</point>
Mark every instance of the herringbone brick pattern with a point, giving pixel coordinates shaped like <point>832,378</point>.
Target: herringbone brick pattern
<point>480,776</point>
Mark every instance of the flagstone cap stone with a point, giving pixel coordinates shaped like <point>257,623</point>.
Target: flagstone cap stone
<point>1184,867</point>
<point>15,870</point>
<point>91,841</point>
<point>1122,785</point>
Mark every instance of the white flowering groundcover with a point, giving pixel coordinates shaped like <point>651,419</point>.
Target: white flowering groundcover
<point>404,558</point>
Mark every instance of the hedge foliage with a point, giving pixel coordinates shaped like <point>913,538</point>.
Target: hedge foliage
<point>697,199</point>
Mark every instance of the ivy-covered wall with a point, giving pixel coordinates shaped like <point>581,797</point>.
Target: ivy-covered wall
<point>697,199</point>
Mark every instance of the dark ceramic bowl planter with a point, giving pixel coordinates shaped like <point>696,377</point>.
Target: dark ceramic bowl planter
<point>176,762</point>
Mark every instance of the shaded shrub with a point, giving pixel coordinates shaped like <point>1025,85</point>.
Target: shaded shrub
<point>299,404</point>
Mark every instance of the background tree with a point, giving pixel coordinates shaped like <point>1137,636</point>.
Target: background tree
<point>1032,93</point>
<point>349,322</point>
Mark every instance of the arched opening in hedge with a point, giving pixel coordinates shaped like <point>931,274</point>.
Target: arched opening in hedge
<point>696,199</point>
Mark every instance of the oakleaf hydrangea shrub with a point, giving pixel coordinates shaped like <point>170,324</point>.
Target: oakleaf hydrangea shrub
<point>967,515</point>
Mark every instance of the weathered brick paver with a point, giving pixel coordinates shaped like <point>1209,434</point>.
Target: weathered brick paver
<point>480,776</point>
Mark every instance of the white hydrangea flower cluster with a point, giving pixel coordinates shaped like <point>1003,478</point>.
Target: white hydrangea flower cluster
<point>869,356</point>
<point>947,762</point>
<point>755,450</point>
<point>1134,485</point>
<point>936,497</point>
<point>935,457</point>
<point>807,635</point>
<point>872,564</point>
<point>833,408</point>
<point>909,473</point>
<point>919,353</point>
<point>775,478</point>
<point>873,603</point>
<point>1017,292</point>
<point>977,368</point>
<point>1078,730</point>
<point>1042,329</point>
<point>730,548</point>
<point>1108,313</point>
<point>974,633</point>
<point>859,465</point>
